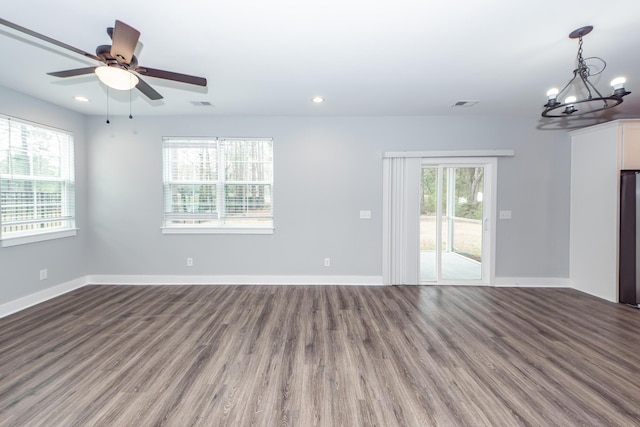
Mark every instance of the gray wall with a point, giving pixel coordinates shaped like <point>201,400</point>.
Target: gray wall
<point>326,170</point>
<point>65,259</point>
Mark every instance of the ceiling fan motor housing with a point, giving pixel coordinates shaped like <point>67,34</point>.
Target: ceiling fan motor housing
<point>104,52</point>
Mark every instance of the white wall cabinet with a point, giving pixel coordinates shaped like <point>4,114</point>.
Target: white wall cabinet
<point>598,154</point>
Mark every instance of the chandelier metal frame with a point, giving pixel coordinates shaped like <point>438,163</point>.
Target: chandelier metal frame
<point>595,101</point>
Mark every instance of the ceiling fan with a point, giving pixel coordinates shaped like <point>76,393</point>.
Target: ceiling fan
<point>119,69</point>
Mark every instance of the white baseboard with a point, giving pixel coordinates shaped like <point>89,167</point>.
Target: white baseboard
<point>533,282</point>
<point>41,296</point>
<point>54,291</point>
<point>233,280</point>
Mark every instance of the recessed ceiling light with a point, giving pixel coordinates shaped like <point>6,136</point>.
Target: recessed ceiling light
<point>317,99</point>
<point>81,98</point>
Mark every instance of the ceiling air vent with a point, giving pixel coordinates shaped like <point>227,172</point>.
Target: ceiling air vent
<point>201,104</point>
<point>465,103</point>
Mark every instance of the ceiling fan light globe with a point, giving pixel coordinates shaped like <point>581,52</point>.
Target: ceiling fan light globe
<point>116,78</point>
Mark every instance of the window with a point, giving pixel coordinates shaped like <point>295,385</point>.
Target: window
<point>218,185</point>
<point>36,183</point>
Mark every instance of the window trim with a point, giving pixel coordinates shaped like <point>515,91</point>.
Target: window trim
<point>216,228</point>
<point>6,242</point>
<point>27,238</point>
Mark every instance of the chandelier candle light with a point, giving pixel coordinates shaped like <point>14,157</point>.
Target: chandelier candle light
<point>594,101</point>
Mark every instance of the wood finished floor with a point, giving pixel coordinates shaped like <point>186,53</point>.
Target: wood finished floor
<point>320,356</point>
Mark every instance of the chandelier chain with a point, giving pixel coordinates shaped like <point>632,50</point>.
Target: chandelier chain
<point>584,73</point>
<point>582,66</point>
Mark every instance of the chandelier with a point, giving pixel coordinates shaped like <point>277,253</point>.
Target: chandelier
<point>579,85</point>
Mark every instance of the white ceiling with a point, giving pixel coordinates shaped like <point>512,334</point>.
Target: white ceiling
<point>366,57</point>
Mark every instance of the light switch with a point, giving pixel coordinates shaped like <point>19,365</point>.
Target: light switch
<point>365,214</point>
<point>505,214</point>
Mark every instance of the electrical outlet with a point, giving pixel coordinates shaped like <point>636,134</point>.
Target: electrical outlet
<point>189,262</point>
<point>327,262</point>
<point>43,274</point>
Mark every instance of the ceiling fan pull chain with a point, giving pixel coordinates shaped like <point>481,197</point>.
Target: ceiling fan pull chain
<point>130,115</point>
<point>108,105</point>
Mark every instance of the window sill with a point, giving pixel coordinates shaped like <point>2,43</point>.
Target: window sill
<point>33,238</point>
<point>218,230</point>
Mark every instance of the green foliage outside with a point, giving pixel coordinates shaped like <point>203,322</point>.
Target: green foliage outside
<point>468,186</point>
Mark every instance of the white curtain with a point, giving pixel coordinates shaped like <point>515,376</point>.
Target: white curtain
<point>401,220</point>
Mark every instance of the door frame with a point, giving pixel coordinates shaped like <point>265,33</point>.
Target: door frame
<point>489,207</point>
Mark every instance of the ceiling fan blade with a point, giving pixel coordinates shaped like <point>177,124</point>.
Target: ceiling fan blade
<point>124,41</point>
<point>147,90</point>
<point>110,32</point>
<point>48,39</point>
<point>71,73</point>
<point>168,75</point>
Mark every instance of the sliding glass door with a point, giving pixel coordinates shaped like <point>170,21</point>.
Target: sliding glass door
<point>454,221</point>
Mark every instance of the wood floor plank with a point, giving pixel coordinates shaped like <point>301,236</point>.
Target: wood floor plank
<point>320,356</point>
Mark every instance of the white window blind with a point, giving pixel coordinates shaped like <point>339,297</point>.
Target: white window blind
<point>36,179</point>
<point>218,183</point>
